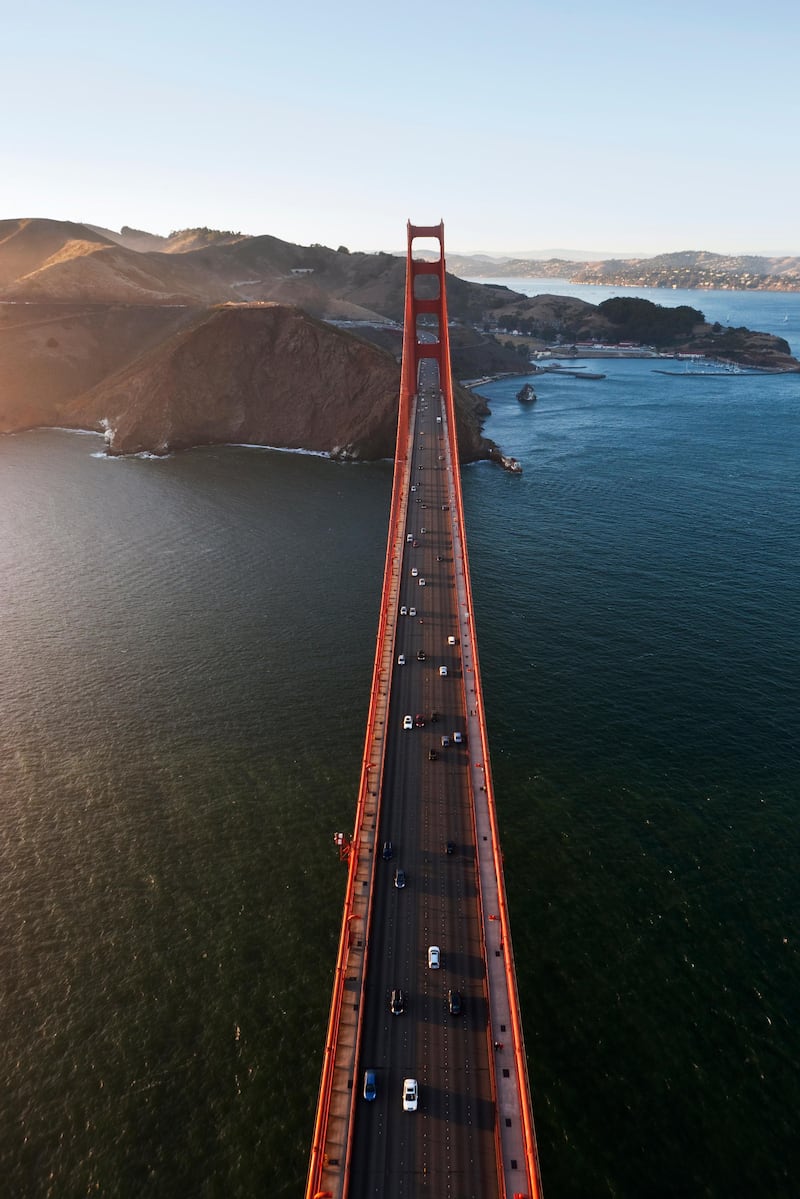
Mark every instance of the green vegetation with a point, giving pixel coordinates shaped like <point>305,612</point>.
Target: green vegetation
<point>203,233</point>
<point>643,321</point>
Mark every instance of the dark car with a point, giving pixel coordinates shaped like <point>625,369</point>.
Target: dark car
<point>396,1002</point>
<point>432,755</point>
<point>419,720</point>
<point>454,1003</point>
<point>451,847</point>
<point>399,878</point>
<point>388,851</point>
<point>434,717</point>
<point>370,1090</point>
<point>420,655</point>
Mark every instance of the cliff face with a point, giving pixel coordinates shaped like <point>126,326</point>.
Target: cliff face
<point>264,375</point>
<point>260,375</point>
<point>50,354</point>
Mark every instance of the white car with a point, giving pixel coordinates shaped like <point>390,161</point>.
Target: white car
<point>408,722</point>
<point>458,739</point>
<point>433,957</point>
<point>410,1094</point>
<point>404,611</point>
<point>451,640</point>
<point>414,572</point>
<point>421,582</point>
<point>412,611</point>
<point>409,536</point>
<point>401,659</point>
<point>443,671</point>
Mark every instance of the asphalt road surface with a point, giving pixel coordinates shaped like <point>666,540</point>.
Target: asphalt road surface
<point>446,1148</point>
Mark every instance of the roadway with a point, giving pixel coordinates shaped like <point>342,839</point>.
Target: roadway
<point>447,1148</point>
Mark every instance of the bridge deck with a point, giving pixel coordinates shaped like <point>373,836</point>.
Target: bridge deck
<point>472,1134</point>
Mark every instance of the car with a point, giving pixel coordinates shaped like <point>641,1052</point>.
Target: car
<point>408,723</point>
<point>454,1003</point>
<point>414,545</point>
<point>396,1002</point>
<point>421,582</point>
<point>451,640</point>
<point>438,420</point>
<point>414,572</point>
<point>370,1090</point>
<point>404,610</point>
<point>432,755</point>
<point>420,655</point>
<point>424,505</point>
<point>419,720</point>
<point>445,741</point>
<point>413,487</point>
<point>433,957</point>
<point>443,671</point>
<point>445,507</point>
<point>439,558</point>
<point>412,611</point>
<point>458,738</point>
<point>401,659</point>
<point>410,1094</point>
<point>450,847</point>
<point>409,536</point>
<point>423,530</point>
<point>387,851</point>
<point>399,878</point>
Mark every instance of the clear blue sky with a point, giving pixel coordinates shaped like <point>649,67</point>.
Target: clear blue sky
<point>623,126</point>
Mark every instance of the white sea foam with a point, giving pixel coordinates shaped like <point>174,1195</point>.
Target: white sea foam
<point>278,449</point>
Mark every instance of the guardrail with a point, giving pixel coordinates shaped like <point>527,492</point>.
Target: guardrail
<point>520,1057</point>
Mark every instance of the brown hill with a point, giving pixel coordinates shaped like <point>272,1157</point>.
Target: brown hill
<point>52,353</point>
<point>159,379</point>
<point>264,375</point>
<point>26,245</point>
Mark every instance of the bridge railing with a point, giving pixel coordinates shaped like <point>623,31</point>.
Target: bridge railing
<point>320,1177</point>
<point>520,1057</point>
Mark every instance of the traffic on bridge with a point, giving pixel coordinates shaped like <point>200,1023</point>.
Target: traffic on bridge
<point>424,1087</point>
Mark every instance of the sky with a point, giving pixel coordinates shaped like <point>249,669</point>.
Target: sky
<point>621,127</point>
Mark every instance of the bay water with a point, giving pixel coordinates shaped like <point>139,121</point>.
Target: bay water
<point>185,660</point>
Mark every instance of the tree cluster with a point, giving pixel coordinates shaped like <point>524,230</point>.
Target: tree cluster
<point>643,321</point>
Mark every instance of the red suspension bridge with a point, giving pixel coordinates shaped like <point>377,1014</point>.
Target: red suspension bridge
<point>425,987</point>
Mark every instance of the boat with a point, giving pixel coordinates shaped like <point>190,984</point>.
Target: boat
<point>526,395</point>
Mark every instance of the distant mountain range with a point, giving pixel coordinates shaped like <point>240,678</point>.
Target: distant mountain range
<point>526,255</point>
<point>693,269</point>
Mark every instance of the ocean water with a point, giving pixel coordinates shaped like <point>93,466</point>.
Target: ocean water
<point>185,659</point>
